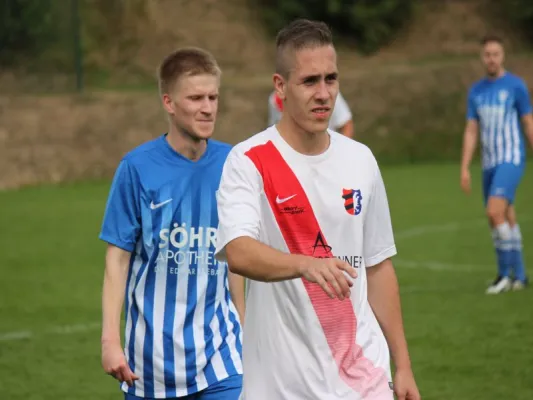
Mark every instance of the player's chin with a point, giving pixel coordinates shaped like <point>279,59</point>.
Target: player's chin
<point>204,130</point>
<point>492,69</point>
<point>318,125</point>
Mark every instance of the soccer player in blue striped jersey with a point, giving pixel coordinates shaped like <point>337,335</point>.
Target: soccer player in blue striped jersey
<point>183,309</point>
<point>499,110</point>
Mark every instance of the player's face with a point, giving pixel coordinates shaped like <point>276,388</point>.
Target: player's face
<point>493,55</point>
<point>193,105</point>
<point>312,87</point>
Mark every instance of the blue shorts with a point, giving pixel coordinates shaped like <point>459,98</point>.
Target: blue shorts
<point>502,181</point>
<point>227,389</point>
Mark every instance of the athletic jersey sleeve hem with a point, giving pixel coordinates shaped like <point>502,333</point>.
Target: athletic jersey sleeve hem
<point>238,202</point>
<point>380,257</point>
<point>127,246</point>
<point>220,252</point>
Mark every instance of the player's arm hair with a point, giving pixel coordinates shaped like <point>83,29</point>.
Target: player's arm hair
<point>255,260</point>
<point>348,129</point>
<point>117,263</point>
<point>236,289</point>
<point>527,123</point>
<point>470,137</point>
<point>384,298</point>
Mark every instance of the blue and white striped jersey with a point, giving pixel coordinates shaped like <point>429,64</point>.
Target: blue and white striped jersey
<point>182,330</point>
<point>498,105</point>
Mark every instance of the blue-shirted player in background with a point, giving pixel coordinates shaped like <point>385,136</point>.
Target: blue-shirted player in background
<point>499,109</point>
<point>182,327</point>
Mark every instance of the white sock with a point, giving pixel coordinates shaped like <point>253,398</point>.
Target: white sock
<point>516,237</point>
<point>504,234</point>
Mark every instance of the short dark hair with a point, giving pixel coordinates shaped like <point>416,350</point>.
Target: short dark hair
<point>490,38</point>
<point>187,61</point>
<point>297,35</point>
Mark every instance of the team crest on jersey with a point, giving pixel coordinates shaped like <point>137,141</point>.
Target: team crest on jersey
<point>503,95</point>
<point>352,201</point>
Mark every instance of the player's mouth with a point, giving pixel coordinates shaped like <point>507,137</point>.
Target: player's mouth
<point>321,112</point>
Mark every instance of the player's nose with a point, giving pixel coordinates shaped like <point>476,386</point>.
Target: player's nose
<point>208,107</point>
<point>322,92</point>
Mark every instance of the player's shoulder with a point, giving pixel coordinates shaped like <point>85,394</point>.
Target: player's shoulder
<point>351,146</point>
<point>254,141</point>
<point>514,80</point>
<point>477,86</point>
<point>353,153</point>
<point>219,149</point>
<point>143,151</point>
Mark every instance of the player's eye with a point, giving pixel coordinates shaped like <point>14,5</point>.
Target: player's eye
<point>331,78</point>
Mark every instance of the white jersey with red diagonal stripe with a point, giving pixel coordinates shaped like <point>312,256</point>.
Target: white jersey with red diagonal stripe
<point>299,344</point>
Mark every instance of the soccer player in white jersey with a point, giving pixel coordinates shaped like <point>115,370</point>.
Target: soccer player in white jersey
<point>499,108</point>
<point>303,213</point>
<point>341,119</point>
<point>182,330</point>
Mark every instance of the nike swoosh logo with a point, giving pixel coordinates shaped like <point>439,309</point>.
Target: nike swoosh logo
<point>279,201</point>
<point>154,206</point>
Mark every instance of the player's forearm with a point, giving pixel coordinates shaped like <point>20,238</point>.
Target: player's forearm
<point>252,259</point>
<point>236,288</point>
<point>115,276</point>
<point>528,129</point>
<point>469,147</point>
<point>384,298</point>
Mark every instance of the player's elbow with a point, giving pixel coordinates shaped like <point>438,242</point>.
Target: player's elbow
<point>235,268</point>
<point>244,259</point>
<point>236,256</point>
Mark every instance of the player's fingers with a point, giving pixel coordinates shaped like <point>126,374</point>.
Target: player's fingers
<point>414,396</point>
<point>131,374</point>
<point>343,265</point>
<point>343,281</point>
<point>325,287</point>
<point>332,281</point>
<point>127,375</point>
<point>117,374</point>
<point>401,394</point>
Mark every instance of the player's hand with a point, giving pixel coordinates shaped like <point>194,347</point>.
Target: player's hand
<point>114,363</point>
<point>405,386</point>
<point>465,181</point>
<point>332,274</point>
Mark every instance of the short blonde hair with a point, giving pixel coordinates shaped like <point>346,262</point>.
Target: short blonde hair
<point>188,61</point>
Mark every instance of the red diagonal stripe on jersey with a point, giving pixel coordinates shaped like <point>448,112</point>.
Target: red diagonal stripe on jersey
<point>301,232</point>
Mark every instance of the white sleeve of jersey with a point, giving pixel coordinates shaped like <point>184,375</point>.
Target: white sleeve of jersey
<point>273,113</point>
<point>238,202</point>
<point>378,237</point>
<point>341,113</point>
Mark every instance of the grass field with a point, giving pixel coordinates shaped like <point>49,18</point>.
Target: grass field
<point>464,345</point>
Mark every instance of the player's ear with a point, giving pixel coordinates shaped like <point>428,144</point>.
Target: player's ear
<point>279,85</point>
<point>167,103</point>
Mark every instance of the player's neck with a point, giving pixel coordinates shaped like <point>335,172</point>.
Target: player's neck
<point>307,143</point>
<point>186,145</point>
<point>498,75</point>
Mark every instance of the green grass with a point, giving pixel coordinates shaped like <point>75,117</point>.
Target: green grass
<point>464,345</point>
